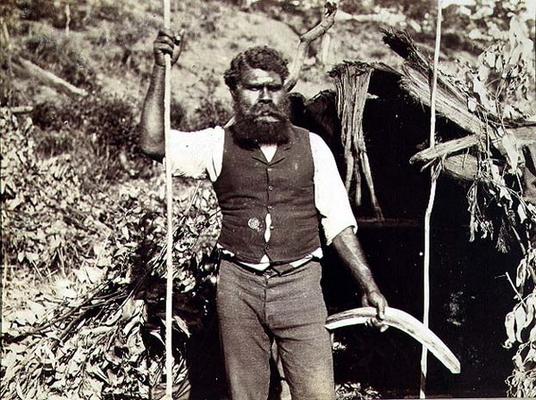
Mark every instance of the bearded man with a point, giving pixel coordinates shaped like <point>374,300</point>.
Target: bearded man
<point>277,186</point>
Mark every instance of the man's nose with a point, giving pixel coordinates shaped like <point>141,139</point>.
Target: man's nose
<point>265,96</point>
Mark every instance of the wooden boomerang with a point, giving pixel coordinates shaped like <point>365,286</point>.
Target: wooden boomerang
<point>406,323</point>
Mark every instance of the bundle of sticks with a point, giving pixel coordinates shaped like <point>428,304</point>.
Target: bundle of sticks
<point>352,83</point>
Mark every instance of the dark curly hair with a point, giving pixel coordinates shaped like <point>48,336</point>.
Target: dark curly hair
<point>262,57</point>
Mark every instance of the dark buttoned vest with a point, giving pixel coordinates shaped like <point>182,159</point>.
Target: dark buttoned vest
<point>249,186</point>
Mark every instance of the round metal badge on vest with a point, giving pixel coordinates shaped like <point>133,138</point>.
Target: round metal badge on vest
<point>254,224</point>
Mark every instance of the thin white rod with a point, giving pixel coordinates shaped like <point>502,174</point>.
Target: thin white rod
<point>430,206</point>
<point>169,215</point>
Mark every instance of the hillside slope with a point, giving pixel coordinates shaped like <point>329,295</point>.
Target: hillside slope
<point>111,49</point>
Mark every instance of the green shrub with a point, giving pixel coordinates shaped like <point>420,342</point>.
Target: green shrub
<point>62,56</point>
<point>210,112</point>
<point>108,127</point>
<point>53,143</point>
<point>54,12</point>
<point>48,116</point>
<point>37,10</point>
<point>81,14</point>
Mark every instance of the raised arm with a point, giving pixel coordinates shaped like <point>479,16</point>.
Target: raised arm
<point>152,118</point>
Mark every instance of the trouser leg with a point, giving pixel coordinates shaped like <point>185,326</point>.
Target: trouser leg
<point>245,341</point>
<point>308,364</point>
<point>296,313</point>
<point>284,393</point>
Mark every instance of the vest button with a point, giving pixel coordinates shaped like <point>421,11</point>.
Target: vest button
<point>269,169</point>
<point>267,247</point>
<point>270,187</point>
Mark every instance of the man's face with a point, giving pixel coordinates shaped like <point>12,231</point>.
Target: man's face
<point>261,108</point>
<point>260,95</point>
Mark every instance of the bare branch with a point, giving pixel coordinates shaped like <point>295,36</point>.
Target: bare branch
<point>352,81</point>
<point>523,136</point>
<point>330,9</point>
<point>48,77</point>
<point>443,149</point>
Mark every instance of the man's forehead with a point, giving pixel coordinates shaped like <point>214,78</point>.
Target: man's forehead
<point>260,76</point>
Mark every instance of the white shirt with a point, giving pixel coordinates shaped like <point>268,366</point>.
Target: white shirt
<point>200,154</point>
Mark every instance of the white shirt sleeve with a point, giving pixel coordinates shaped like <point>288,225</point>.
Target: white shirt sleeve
<point>331,198</point>
<point>197,154</point>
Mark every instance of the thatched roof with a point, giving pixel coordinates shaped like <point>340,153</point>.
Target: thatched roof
<point>452,104</point>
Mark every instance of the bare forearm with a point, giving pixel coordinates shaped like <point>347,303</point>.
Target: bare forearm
<point>152,139</point>
<point>349,249</point>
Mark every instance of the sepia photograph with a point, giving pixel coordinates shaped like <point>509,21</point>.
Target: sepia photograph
<point>267,199</point>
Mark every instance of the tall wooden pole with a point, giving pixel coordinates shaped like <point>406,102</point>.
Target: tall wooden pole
<point>169,214</point>
<point>429,208</point>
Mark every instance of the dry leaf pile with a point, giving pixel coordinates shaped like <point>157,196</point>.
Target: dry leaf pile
<point>101,333</point>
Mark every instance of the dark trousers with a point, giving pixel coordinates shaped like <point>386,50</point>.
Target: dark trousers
<point>256,308</point>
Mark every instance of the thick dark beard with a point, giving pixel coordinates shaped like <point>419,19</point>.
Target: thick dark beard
<point>248,132</point>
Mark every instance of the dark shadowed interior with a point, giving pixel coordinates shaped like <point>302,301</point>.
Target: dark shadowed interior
<point>467,305</point>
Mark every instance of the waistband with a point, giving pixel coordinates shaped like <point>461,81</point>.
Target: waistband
<point>280,268</point>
